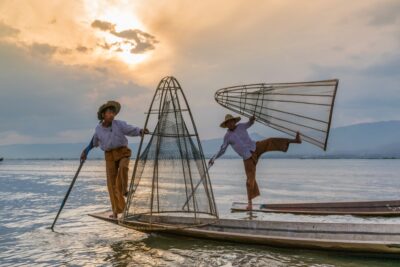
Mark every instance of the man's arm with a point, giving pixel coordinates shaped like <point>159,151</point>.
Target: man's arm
<point>130,130</point>
<point>93,143</point>
<point>221,151</point>
<point>250,122</point>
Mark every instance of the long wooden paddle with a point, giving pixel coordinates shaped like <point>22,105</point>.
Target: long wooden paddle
<point>195,188</point>
<point>68,192</point>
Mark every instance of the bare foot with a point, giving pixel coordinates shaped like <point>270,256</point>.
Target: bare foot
<point>297,140</point>
<point>113,216</point>
<point>249,207</point>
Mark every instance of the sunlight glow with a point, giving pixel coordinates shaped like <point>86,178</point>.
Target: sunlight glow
<point>121,14</point>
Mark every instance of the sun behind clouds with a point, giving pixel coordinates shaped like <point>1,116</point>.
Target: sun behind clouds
<point>101,33</point>
<point>119,32</point>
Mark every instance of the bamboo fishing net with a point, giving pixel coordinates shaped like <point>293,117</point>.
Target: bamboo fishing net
<point>287,107</point>
<point>170,174</point>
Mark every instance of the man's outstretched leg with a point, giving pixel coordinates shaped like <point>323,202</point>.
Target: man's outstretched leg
<point>275,144</point>
<point>270,144</point>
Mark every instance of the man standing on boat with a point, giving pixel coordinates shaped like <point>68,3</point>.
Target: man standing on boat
<point>110,135</point>
<point>238,137</point>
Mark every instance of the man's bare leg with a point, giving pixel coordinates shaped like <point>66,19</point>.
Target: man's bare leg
<point>250,205</point>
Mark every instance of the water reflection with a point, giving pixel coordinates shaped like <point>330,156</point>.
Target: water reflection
<point>31,192</point>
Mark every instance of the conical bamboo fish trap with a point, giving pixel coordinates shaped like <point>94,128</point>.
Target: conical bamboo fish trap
<point>170,173</point>
<point>287,107</point>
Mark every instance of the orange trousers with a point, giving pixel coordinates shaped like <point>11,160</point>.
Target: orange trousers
<point>270,144</point>
<point>117,167</point>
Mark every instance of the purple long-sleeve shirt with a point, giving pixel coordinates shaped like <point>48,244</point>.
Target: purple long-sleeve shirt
<point>114,136</point>
<point>240,141</point>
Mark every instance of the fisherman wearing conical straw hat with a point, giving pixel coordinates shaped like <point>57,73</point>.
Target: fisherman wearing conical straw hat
<point>110,134</point>
<point>238,137</point>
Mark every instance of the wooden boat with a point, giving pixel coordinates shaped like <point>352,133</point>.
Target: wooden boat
<point>363,208</point>
<point>354,237</point>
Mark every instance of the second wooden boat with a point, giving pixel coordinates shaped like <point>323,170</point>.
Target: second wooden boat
<point>361,208</point>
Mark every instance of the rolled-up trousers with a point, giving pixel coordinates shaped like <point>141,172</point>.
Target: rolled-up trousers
<point>117,166</point>
<point>270,144</point>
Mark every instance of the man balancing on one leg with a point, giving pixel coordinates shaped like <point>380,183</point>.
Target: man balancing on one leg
<point>110,135</point>
<point>238,137</point>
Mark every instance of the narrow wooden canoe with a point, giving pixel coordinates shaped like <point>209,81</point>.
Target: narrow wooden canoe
<point>363,208</point>
<point>354,237</point>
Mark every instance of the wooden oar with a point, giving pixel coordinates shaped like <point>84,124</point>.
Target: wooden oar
<point>195,188</point>
<point>68,192</point>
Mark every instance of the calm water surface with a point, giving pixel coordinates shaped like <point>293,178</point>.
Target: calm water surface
<point>31,192</point>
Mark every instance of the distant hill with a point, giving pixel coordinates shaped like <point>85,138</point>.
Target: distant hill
<point>377,140</point>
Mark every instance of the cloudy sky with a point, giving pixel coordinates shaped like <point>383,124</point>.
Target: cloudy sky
<point>59,60</point>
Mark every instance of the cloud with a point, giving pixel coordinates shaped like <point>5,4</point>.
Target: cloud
<point>387,68</point>
<point>135,34</point>
<point>366,93</point>
<point>385,13</point>
<point>7,31</point>
<point>42,99</point>
<point>42,49</point>
<point>142,40</point>
<point>103,25</point>
<point>272,42</point>
<point>141,48</point>
<point>139,41</point>
<point>82,49</point>
<point>81,61</point>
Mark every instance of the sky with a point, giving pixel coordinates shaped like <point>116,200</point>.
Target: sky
<point>60,60</point>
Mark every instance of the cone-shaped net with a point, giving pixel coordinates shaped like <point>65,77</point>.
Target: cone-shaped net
<point>288,107</point>
<point>171,176</point>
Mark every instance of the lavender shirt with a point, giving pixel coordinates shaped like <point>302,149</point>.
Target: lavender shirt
<point>240,141</point>
<point>115,136</point>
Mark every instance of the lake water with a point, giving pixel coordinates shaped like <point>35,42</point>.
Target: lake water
<point>32,190</point>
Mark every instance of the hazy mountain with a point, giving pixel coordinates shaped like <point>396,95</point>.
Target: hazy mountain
<point>378,139</point>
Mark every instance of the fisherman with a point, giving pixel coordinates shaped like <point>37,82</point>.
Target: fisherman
<point>238,137</point>
<point>110,134</point>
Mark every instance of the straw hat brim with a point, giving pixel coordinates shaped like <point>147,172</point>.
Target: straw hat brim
<point>109,104</point>
<point>236,119</point>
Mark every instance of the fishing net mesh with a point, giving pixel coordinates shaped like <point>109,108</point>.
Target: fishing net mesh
<point>171,174</point>
<point>288,107</point>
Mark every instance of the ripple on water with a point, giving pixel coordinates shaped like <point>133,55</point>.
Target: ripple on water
<point>31,192</point>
